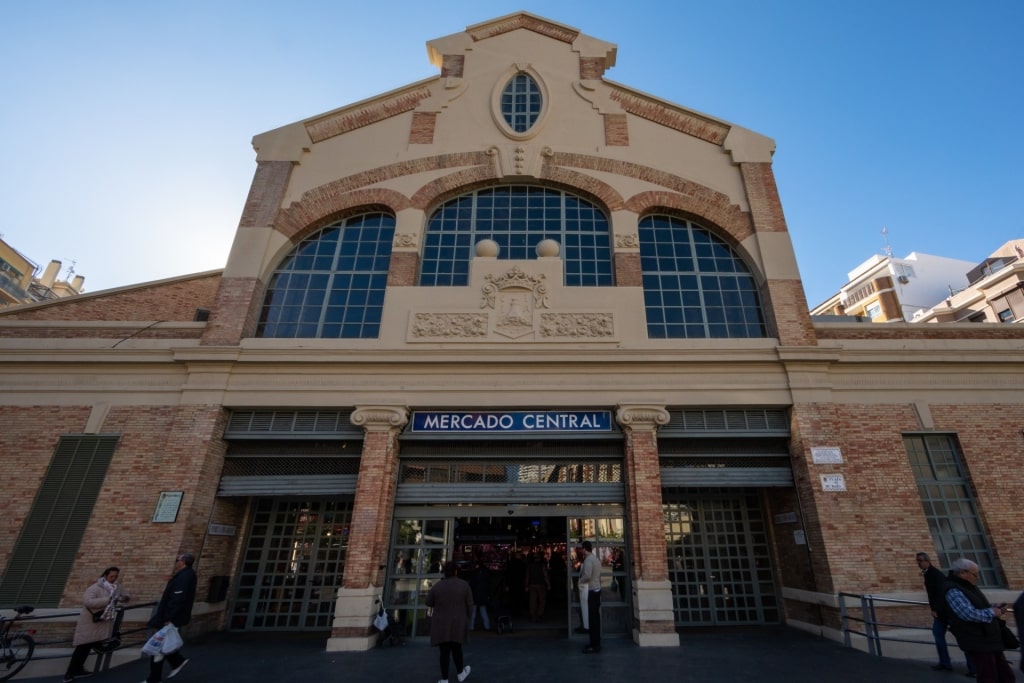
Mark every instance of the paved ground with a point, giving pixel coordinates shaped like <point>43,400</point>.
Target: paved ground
<point>768,654</point>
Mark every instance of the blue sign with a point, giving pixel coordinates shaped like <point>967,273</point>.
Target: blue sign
<point>511,422</point>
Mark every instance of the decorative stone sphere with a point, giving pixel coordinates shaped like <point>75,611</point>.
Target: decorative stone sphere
<point>487,248</point>
<point>547,248</point>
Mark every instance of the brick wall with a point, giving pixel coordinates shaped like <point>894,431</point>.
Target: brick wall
<point>165,300</point>
<point>235,313</point>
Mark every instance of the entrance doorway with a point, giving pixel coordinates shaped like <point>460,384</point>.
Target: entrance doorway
<point>719,558</point>
<point>494,547</point>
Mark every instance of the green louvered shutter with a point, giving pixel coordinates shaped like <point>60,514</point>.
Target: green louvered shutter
<point>45,551</point>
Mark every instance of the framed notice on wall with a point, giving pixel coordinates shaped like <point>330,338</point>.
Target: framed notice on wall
<point>167,506</point>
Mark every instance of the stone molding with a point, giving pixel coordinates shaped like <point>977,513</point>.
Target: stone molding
<point>641,417</point>
<point>380,418</point>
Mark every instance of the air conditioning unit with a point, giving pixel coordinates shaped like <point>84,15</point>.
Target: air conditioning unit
<point>903,279</point>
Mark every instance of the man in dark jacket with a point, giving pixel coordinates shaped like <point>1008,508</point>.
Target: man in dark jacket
<point>175,607</point>
<point>976,623</point>
<point>935,585</point>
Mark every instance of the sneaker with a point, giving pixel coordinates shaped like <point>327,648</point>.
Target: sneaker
<point>84,674</point>
<point>443,680</point>
<point>176,670</point>
<point>464,675</point>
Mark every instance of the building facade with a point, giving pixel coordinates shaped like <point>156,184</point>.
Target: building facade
<point>994,291</point>
<point>888,289</point>
<point>19,284</point>
<point>505,309</point>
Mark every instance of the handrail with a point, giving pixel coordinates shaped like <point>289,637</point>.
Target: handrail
<point>871,631</point>
<point>103,658</point>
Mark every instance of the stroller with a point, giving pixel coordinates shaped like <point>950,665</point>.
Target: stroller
<point>389,631</point>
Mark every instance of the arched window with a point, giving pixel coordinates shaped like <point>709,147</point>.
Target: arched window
<point>332,283</point>
<point>521,102</point>
<point>517,218</point>
<point>695,286</point>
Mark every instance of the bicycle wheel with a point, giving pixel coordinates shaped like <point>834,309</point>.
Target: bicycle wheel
<point>16,655</point>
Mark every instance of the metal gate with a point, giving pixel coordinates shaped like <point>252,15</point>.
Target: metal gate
<point>719,558</point>
<point>292,564</point>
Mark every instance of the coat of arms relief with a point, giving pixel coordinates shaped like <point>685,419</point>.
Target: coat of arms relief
<point>514,305</point>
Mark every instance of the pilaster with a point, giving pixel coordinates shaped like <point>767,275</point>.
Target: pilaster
<point>652,599</point>
<point>367,550</point>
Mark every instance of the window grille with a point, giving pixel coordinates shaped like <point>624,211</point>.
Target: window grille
<point>521,102</point>
<point>518,218</point>
<point>949,505</point>
<point>332,284</point>
<point>695,285</point>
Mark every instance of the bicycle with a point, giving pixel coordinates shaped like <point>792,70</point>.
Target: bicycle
<point>16,647</point>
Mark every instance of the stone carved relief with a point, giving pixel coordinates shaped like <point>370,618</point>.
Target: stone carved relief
<point>405,240</point>
<point>627,241</point>
<point>519,160</point>
<point>641,417</point>
<point>592,325</point>
<point>451,325</point>
<point>515,279</point>
<point>380,417</point>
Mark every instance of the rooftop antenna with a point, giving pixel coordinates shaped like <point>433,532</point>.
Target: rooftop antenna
<point>885,236</point>
<point>71,270</point>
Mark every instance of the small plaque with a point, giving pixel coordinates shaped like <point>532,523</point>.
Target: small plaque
<point>799,538</point>
<point>167,507</point>
<point>833,482</point>
<point>785,518</point>
<point>220,530</point>
<point>826,455</point>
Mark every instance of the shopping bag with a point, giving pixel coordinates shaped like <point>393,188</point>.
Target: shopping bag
<point>172,640</point>
<point>381,620</point>
<point>156,642</point>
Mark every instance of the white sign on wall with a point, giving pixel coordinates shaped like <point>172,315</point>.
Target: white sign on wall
<point>799,538</point>
<point>826,455</point>
<point>833,482</point>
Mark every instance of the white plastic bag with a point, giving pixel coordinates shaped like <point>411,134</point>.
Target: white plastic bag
<point>381,620</point>
<point>155,643</point>
<point>172,640</point>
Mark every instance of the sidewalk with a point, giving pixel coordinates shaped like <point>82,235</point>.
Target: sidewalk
<point>766,654</point>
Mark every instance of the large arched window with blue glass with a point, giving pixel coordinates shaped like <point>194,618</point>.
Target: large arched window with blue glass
<point>332,283</point>
<point>517,217</point>
<point>695,285</point>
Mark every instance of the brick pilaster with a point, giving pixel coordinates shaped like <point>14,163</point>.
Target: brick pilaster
<point>371,522</point>
<point>652,599</point>
<point>785,302</point>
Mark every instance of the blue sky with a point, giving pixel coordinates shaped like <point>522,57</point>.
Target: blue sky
<point>126,125</point>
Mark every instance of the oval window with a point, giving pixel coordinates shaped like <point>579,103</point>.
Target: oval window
<point>521,102</point>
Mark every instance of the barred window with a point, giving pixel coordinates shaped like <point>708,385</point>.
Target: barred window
<point>949,505</point>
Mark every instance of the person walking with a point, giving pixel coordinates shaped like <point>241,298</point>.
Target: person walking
<point>175,607</point>
<point>100,598</point>
<point>975,623</point>
<point>480,584</point>
<point>451,602</point>
<point>590,574</point>
<point>935,586</point>
<point>538,583</point>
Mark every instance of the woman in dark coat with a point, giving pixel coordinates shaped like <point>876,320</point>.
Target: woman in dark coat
<point>451,600</point>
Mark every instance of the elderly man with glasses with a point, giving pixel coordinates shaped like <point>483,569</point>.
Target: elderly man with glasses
<point>975,623</point>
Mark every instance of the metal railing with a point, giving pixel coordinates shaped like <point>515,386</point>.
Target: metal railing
<point>873,629</point>
<point>119,638</point>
